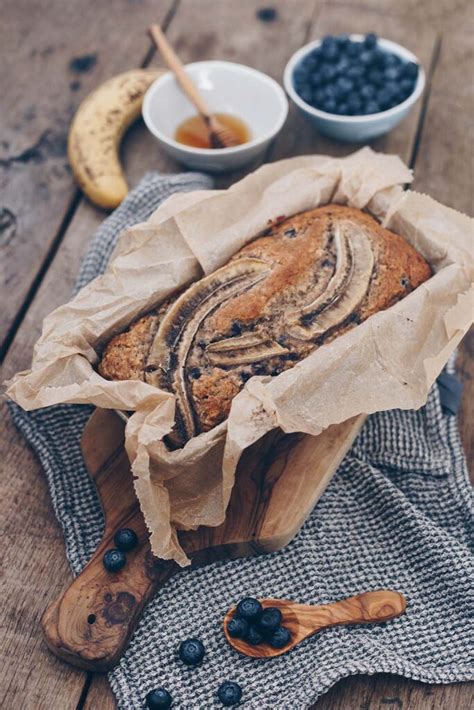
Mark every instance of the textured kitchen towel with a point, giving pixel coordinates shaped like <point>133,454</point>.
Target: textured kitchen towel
<point>397,514</point>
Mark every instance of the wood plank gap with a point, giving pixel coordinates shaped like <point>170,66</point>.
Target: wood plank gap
<point>164,26</point>
<point>84,691</point>
<point>17,321</point>
<point>425,101</point>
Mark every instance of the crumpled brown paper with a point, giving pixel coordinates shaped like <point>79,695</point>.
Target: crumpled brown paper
<point>389,361</point>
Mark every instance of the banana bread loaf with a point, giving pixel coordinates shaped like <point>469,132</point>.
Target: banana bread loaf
<point>309,279</point>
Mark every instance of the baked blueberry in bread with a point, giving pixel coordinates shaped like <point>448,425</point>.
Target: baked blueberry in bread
<point>307,280</point>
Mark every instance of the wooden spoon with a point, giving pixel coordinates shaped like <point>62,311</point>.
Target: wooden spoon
<point>304,620</point>
<point>219,135</point>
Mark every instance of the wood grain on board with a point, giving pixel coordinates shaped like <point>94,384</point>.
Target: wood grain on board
<point>53,54</point>
<point>29,675</point>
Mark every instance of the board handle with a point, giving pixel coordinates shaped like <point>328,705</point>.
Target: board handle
<point>90,625</point>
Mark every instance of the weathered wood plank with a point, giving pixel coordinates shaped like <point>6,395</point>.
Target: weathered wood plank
<point>393,692</point>
<point>34,567</point>
<point>444,166</point>
<point>53,54</point>
<point>444,169</point>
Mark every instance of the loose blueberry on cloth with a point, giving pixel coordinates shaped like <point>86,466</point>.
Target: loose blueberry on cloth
<point>397,514</point>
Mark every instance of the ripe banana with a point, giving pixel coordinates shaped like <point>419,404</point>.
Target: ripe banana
<point>96,132</point>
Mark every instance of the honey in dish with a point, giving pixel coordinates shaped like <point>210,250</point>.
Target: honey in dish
<point>193,131</point>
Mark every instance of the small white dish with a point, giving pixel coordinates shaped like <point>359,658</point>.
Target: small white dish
<point>356,129</point>
<point>226,88</point>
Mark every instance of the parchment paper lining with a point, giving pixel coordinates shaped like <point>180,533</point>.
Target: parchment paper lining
<point>389,361</point>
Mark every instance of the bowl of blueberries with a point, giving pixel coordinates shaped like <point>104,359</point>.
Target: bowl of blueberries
<point>354,87</point>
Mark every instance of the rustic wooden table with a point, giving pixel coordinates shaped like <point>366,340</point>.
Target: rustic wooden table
<point>54,53</point>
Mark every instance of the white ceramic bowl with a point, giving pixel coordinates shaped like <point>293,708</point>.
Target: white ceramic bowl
<point>227,88</point>
<point>355,129</point>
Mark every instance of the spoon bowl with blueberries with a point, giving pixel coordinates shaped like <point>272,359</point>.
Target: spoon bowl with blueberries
<point>354,87</point>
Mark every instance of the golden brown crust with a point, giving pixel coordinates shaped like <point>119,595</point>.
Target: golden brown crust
<point>301,258</point>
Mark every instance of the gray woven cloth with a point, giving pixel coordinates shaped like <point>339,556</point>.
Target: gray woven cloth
<point>397,514</point>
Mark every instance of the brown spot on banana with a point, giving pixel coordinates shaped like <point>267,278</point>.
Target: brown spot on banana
<point>96,132</point>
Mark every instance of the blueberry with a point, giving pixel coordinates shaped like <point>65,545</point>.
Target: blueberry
<point>126,539</point>
<point>343,41</point>
<point>342,66</point>
<point>191,651</point>
<point>254,636</point>
<point>378,57</point>
<point>329,105</point>
<point>371,107</point>
<point>267,14</point>
<point>391,60</point>
<point>375,77</point>
<point>236,328</point>
<point>114,560</point>
<point>392,88</point>
<point>229,693</point>
<point>280,638</point>
<point>355,71</point>
<point>329,49</point>
<point>299,75</point>
<point>195,373</point>
<point>237,628</point>
<point>406,88</point>
<point>367,57</point>
<point>344,86</point>
<point>342,110</point>
<point>370,40</point>
<point>328,73</point>
<point>315,79</point>
<point>367,91</point>
<point>244,376</point>
<point>384,99</point>
<point>354,104</point>
<point>354,49</point>
<point>158,699</point>
<point>270,620</point>
<point>249,609</point>
<point>392,73</point>
<point>410,70</point>
<point>318,97</point>
<point>305,94</point>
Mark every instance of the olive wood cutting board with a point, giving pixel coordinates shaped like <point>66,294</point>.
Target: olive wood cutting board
<point>279,480</point>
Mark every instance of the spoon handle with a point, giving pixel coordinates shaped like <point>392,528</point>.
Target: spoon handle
<point>174,63</point>
<point>365,608</point>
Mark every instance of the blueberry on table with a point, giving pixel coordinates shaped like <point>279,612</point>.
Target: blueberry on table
<point>114,560</point>
<point>126,539</point>
<point>158,699</point>
<point>191,652</point>
<point>270,620</point>
<point>237,628</point>
<point>229,693</point>
<point>280,638</point>
<point>249,609</point>
<point>254,637</point>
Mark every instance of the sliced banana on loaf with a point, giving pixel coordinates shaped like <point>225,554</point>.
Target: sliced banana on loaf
<point>308,280</point>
